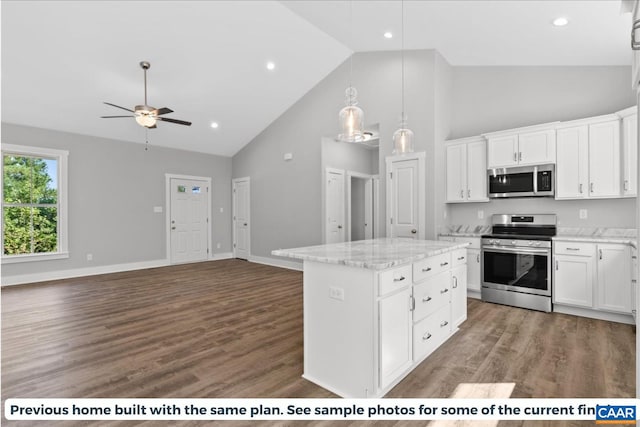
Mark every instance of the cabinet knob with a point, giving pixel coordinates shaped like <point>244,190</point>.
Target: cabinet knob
<point>443,324</point>
<point>444,291</point>
<point>399,279</point>
<point>414,231</point>
<point>427,299</point>
<point>426,336</point>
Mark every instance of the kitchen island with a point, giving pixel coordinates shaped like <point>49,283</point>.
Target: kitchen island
<point>374,309</point>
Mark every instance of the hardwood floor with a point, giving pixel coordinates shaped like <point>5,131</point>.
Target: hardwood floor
<point>234,329</point>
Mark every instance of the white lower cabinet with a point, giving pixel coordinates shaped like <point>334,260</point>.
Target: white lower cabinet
<point>458,295</point>
<point>473,262</point>
<point>594,276</point>
<point>395,322</point>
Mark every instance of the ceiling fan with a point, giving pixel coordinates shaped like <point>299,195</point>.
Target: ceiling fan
<point>147,115</point>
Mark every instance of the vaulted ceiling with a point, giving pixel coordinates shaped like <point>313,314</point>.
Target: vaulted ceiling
<point>62,59</point>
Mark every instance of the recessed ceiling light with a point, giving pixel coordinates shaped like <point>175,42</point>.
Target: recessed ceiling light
<point>560,22</point>
<point>388,35</point>
<point>271,66</point>
<point>214,125</point>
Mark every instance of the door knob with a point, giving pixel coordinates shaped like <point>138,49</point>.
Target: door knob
<point>245,224</point>
<point>339,227</point>
<point>414,231</point>
<point>173,228</point>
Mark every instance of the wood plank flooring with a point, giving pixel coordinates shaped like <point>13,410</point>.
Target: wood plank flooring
<point>234,329</point>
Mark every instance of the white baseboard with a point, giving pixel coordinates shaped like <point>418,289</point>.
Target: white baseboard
<point>594,314</point>
<point>223,255</point>
<point>291,265</point>
<point>21,279</point>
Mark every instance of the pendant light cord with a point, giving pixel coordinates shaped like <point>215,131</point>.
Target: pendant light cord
<point>402,119</point>
<point>351,58</point>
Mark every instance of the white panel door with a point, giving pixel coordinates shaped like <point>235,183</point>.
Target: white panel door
<point>368,209</point>
<point>572,163</point>
<point>502,151</point>
<point>476,175</point>
<point>335,207</point>
<point>537,147</point>
<point>630,156</point>
<point>604,159</point>
<point>404,203</point>
<point>456,172</point>
<point>241,216</point>
<point>188,220</point>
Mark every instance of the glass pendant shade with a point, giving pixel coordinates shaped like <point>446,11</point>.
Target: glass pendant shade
<point>145,120</point>
<point>351,119</point>
<point>403,139</point>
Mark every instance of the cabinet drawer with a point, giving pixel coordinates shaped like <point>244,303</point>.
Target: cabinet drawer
<point>429,333</point>
<point>431,266</point>
<point>574,248</point>
<point>458,257</point>
<point>431,295</point>
<point>474,242</point>
<point>393,279</point>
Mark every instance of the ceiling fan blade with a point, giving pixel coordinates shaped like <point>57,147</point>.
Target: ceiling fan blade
<point>113,117</point>
<point>163,110</point>
<point>117,106</point>
<point>178,122</point>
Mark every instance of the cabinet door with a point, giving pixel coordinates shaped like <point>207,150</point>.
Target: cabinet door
<point>395,335</point>
<point>614,278</point>
<point>473,270</point>
<point>604,159</point>
<point>573,280</point>
<point>458,295</point>
<point>477,171</point>
<point>572,163</point>
<point>502,151</point>
<point>630,156</point>
<point>456,172</point>
<point>537,147</point>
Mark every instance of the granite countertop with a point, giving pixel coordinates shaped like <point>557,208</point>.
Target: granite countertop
<point>465,230</point>
<point>625,236</point>
<point>376,254</point>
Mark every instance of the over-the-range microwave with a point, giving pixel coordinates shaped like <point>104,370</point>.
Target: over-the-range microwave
<point>525,181</point>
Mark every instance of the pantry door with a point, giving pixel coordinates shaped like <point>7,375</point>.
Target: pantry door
<point>406,196</point>
<point>241,218</point>
<point>189,220</point>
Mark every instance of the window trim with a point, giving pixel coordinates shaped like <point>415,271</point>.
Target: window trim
<point>63,227</point>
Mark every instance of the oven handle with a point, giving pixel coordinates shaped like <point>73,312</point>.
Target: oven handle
<point>516,250</point>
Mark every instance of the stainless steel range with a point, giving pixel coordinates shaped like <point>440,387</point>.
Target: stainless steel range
<point>516,261</point>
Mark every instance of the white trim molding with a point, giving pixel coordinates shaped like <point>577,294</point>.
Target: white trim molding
<point>221,256</point>
<point>290,265</point>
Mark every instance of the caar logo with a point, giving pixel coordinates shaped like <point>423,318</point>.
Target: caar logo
<point>615,414</point>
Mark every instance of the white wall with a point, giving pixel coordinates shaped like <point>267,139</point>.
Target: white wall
<point>113,187</point>
<point>488,99</point>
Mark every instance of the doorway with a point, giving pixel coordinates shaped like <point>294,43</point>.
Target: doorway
<point>188,213</point>
<point>241,218</point>
<point>362,206</point>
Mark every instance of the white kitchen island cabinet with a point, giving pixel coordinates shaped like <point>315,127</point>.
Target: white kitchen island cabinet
<point>374,309</point>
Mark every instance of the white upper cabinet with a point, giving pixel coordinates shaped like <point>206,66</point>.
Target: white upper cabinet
<point>466,170</point>
<point>533,145</point>
<point>588,158</point>
<point>629,140</point>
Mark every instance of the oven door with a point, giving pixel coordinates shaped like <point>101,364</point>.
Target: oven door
<point>526,270</point>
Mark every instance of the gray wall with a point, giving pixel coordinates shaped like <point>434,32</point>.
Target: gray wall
<point>286,196</point>
<point>113,187</point>
<point>487,99</point>
<point>350,157</point>
<point>357,209</point>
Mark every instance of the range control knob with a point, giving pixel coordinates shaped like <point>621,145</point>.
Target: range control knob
<point>538,243</point>
<point>530,242</point>
<point>513,243</point>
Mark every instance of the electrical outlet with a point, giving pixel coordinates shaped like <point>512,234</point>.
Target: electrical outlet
<point>480,214</point>
<point>583,214</point>
<point>336,293</point>
<point>89,257</point>
<point>218,246</point>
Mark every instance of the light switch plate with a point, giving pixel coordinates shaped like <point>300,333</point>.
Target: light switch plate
<point>583,214</point>
<point>157,209</point>
<point>336,293</point>
<point>480,214</point>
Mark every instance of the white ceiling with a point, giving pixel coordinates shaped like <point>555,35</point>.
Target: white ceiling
<point>62,59</point>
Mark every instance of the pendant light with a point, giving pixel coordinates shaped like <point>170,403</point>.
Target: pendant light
<point>351,116</point>
<point>403,137</point>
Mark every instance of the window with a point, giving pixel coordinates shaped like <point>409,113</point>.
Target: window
<point>34,186</point>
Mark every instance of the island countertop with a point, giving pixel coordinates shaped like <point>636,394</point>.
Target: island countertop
<point>376,254</point>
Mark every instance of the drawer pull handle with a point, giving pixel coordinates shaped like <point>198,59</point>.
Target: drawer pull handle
<point>478,258</point>
<point>455,282</point>
<point>573,249</point>
<point>427,299</point>
<point>461,258</point>
<point>444,291</point>
<point>426,270</point>
<point>443,324</point>
<point>442,264</point>
<point>399,279</point>
<point>426,336</point>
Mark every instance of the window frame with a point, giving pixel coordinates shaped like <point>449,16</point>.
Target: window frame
<point>61,156</point>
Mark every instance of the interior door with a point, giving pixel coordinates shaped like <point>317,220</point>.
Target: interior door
<point>404,199</point>
<point>335,207</point>
<point>188,220</point>
<point>368,209</point>
<point>241,215</point>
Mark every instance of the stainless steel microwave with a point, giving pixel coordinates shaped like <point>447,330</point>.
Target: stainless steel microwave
<point>526,181</point>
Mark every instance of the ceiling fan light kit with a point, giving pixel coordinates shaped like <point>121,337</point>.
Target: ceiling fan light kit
<point>146,115</point>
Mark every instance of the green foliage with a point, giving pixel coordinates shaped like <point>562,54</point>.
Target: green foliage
<point>29,228</point>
